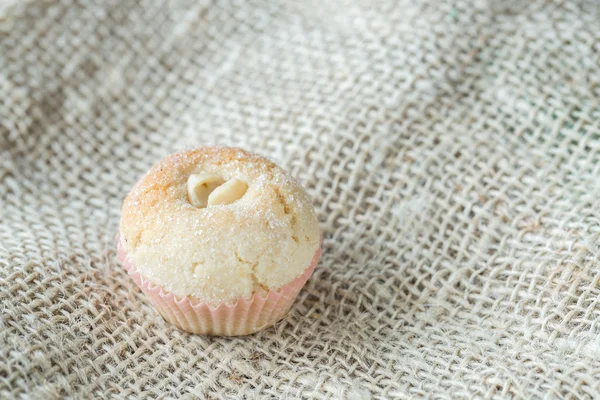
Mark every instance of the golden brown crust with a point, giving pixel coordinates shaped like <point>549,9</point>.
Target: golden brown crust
<point>154,187</point>
<point>265,239</point>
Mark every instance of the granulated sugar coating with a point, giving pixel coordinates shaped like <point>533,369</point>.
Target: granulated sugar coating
<point>220,253</point>
<point>451,150</point>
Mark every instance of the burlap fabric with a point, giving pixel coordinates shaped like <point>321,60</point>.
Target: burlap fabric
<point>452,152</point>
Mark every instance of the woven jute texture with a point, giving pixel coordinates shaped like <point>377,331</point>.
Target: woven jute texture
<point>452,151</point>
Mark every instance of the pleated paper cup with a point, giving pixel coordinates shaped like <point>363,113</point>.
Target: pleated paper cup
<point>234,318</point>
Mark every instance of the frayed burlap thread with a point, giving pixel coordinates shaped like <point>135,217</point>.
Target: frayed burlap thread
<point>451,148</point>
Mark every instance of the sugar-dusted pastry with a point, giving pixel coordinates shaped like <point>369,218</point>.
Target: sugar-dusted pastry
<point>219,239</point>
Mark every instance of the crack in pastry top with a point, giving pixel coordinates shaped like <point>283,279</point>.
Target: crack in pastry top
<point>261,241</point>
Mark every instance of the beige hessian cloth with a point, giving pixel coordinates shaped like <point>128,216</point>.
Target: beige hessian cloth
<point>452,152</point>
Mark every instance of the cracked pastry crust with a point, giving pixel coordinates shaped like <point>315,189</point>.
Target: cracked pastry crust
<point>219,253</point>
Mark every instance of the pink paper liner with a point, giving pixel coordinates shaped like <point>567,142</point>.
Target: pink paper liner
<point>239,317</point>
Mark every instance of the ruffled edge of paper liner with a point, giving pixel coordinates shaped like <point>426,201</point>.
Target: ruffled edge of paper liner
<point>235,318</point>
